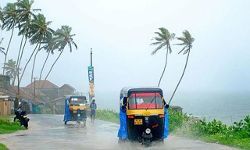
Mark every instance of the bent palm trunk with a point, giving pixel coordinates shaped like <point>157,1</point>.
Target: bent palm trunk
<point>34,63</point>
<point>28,62</point>
<point>53,64</point>
<point>166,61</point>
<point>180,78</point>
<point>7,50</point>
<point>43,66</point>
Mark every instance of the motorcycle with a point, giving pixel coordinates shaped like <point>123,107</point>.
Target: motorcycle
<point>22,118</point>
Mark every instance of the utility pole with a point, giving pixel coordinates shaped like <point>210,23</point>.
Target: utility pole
<point>91,77</point>
<point>91,57</point>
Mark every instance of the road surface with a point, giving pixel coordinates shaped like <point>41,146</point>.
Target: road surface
<point>49,132</point>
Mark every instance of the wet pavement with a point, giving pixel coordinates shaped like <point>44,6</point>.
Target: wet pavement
<point>49,132</point>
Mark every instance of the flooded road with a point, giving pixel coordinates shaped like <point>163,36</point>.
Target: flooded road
<point>49,132</point>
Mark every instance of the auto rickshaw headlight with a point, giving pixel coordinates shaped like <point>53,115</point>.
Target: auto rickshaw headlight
<point>148,130</point>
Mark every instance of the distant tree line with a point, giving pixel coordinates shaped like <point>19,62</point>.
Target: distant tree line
<point>20,19</point>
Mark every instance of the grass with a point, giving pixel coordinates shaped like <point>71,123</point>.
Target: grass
<point>107,115</point>
<point>7,126</point>
<point>237,135</point>
<point>3,147</point>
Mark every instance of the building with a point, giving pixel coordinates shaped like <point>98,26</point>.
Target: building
<point>43,89</point>
<point>5,105</point>
<point>52,95</point>
<point>66,89</point>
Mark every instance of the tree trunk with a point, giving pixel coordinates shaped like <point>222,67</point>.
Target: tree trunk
<point>34,63</point>
<point>17,61</point>
<point>166,62</point>
<point>28,62</point>
<point>20,59</point>
<point>44,66</point>
<point>7,50</point>
<point>180,77</point>
<point>53,65</point>
<point>18,91</point>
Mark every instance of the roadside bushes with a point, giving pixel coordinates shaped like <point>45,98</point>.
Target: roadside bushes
<point>107,115</point>
<point>6,126</point>
<point>237,135</point>
<point>3,147</point>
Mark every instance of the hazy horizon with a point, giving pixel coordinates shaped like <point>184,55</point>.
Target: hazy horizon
<point>120,34</point>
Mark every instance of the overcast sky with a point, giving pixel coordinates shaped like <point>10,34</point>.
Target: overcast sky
<point>120,33</point>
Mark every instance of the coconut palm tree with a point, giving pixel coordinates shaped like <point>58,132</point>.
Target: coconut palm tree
<point>187,43</point>
<point>10,19</point>
<point>39,30</point>
<point>26,13</point>
<point>1,48</point>
<point>11,70</point>
<point>162,40</point>
<point>49,46</point>
<point>1,17</point>
<point>63,37</point>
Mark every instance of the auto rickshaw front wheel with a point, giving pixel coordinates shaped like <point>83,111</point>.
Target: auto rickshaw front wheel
<point>65,122</point>
<point>146,142</point>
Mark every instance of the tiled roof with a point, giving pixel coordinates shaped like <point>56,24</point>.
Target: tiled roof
<point>67,86</point>
<point>12,91</point>
<point>42,84</point>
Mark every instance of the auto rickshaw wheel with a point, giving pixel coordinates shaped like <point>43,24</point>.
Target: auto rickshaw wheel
<point>65,122</point>
<point>146,142</point>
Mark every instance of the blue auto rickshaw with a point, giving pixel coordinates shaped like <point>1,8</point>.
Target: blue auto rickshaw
<point>76,109</point>
<point>143,115</point>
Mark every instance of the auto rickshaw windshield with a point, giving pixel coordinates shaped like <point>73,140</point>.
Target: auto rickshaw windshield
<point>145,101</point>
<point>78,100</point>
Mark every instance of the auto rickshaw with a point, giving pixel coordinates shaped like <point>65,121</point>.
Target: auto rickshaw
<point>76,109</point>
<point>143,115</point>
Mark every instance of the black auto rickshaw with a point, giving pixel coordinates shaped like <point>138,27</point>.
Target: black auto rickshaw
<point>76,109</point>
<point>143,115</point>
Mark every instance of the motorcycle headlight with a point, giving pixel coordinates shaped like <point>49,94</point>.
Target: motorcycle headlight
<point>148,130</point>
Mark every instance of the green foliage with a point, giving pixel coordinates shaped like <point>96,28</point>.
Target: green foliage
<point>237,135</point>
<point>3,147</point>
<point>6,126</point>
<point>176,120</point>
<point>107,115</point>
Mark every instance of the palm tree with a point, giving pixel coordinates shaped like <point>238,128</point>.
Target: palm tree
<point>1,16</point>
<point>49,46</point>
<point>187,43</point>
<point>10,19</point>
<point>1,48</point>
<point>63,37</point>
<point>162,40</point>
<point>26,13</point>
<point>39,30</point>
<point>11,70</point>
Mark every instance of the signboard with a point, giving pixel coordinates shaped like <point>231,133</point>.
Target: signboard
<point>91,74</point>
<point>91,81</point>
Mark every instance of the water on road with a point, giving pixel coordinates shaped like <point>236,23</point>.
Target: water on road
<point>49,132</point>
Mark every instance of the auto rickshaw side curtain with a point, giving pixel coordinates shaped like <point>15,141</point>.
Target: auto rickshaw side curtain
<point>122,133</point>
<point>166,123</point>
<point>67,115</point>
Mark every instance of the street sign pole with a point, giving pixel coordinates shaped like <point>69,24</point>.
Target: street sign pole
<point>91,77</point>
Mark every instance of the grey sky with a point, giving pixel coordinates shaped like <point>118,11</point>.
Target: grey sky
<point>120,34</point>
